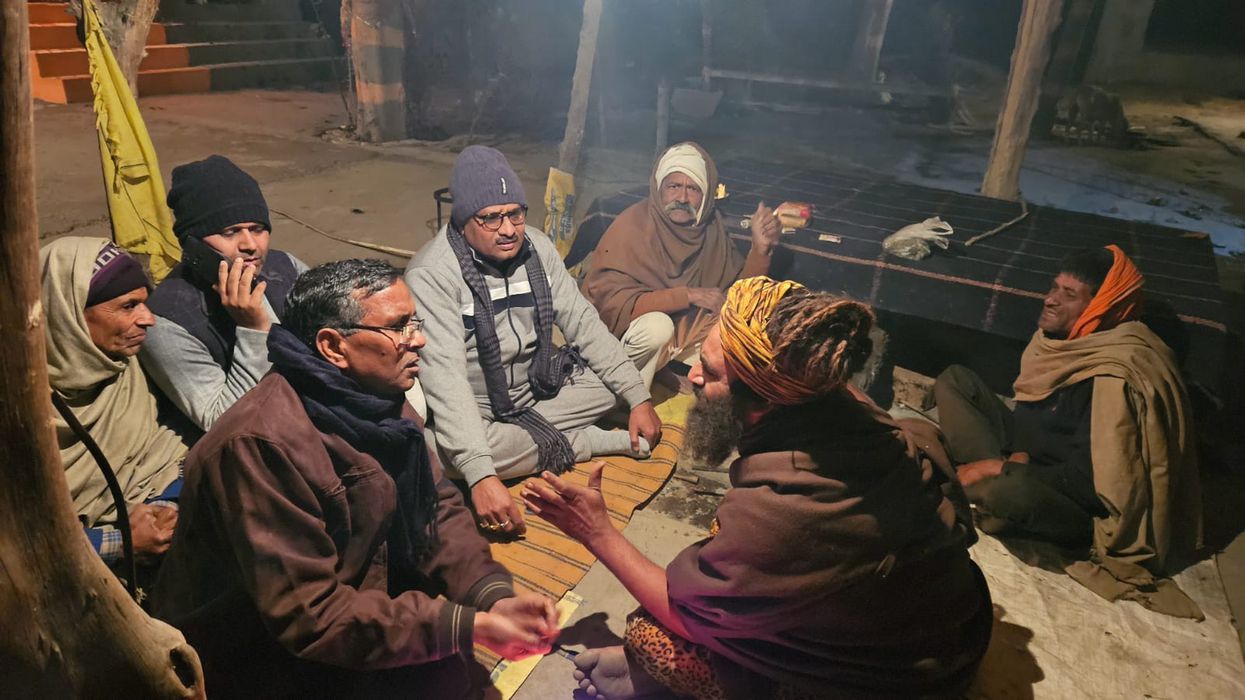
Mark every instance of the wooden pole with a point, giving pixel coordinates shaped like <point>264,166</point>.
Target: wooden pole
<point>581,87</point>
<point>70,629</point>
<point>378,52</point>
<point>1038,21</point>
<point>706,43</point>
<point>663,117</point>
<point>869,38</point>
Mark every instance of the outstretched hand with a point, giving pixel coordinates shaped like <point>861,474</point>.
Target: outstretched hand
<point>578,511</point>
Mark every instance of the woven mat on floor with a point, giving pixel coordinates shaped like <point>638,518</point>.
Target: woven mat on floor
<point>548,562</point>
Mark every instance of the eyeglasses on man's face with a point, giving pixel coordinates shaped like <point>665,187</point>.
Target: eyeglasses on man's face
<point>492,222</point>
<point>406,331</point>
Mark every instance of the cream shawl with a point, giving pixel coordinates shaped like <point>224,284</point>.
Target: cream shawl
<point>110,397</point>
<point>1144,457</point>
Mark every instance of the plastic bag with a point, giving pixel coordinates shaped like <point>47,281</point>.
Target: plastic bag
<point>912,241</point>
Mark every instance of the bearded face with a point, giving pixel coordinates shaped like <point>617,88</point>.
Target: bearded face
<point>713,428</point>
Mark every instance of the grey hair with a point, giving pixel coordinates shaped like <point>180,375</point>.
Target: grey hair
<point>328,295</point>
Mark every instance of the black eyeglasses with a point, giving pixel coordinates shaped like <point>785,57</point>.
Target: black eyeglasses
<point>492,222</point>
<point>406,331</point>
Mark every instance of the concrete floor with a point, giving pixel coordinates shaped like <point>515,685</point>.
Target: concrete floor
<point>383,194</point>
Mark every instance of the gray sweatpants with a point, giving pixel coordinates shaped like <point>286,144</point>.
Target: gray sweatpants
<point>574,411</point>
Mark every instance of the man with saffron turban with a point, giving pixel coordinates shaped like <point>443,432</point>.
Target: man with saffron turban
<point>835,566</point>
<point>1099,449</point>
<point>659,273</point>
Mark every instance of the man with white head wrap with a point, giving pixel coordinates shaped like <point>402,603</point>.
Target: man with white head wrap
<point>657,277</point>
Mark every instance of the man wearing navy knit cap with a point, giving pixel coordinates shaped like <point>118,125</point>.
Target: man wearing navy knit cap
<point>211,345</point>
<point>507,401</point>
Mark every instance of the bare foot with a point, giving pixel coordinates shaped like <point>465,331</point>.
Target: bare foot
<point>609,674</point>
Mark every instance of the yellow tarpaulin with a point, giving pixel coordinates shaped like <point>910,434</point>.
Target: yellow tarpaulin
<point>141,222</point>
<point>559,209</point>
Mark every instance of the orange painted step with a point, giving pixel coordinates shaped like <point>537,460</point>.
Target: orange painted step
<point>48,13</point>
<point>221,76</point>
<point>57,63</point>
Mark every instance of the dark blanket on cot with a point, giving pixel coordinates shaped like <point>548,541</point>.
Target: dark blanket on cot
<point>993,289</point>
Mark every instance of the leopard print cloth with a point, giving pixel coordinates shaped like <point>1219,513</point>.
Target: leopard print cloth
<point>678,664</point>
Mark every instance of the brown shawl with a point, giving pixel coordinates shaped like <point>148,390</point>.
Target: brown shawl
<point>643,251</point>
<point>838,566</point>
<point>1145,459</point>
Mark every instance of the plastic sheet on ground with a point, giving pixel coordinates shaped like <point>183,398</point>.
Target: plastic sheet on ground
<point>1055,639</point>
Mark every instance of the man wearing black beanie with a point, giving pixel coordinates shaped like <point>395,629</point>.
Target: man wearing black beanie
<point>210,346</point>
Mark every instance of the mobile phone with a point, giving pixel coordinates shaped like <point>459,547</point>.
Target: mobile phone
<point>203,262</point>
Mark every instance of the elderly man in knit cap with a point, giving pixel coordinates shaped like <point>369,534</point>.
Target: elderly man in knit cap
<point>211,345</point>
<point>95,297</point>
<point>657,276</point>
<point>835,567</point>
<point>507,401</point>
<point>1100,447</point>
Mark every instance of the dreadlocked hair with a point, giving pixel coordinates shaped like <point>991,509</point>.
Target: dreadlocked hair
<point>819,337</point>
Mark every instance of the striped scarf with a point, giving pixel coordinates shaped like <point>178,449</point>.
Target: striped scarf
<point>550,369</point>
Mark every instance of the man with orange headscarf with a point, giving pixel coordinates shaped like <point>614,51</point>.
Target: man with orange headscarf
<point>657,276</point>
<point>1099,451</point>
<point>836,566</point>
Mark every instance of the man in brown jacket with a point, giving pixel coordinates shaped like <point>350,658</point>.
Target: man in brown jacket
<point>320,552</point>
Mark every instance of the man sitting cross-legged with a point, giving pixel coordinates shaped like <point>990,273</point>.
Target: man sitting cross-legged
<point>504,399</point>
<point>321,553</point>
<point>835,567</point>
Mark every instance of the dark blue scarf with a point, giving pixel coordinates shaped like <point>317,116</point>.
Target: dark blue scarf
<point>372,424</point>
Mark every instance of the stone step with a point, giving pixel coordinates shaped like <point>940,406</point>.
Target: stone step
<point>45,37</point>
<point>282,73</point>
<point>71,62</point>
<point>190,32</point>
<point>247,11</point>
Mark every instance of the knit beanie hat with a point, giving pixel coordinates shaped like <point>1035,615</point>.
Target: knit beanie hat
<point>213,194</point>
<point>482,178</point>
<point>113,274</point>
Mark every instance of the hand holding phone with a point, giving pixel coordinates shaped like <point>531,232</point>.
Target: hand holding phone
<point>242,294</point>
<point>240,289</point>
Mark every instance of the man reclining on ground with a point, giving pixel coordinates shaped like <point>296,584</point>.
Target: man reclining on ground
<point>1100,448</point>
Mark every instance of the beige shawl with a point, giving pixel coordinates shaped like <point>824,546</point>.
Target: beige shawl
<point>1144,456</point>
<point>110,397</point>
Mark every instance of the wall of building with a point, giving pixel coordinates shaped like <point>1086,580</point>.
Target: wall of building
<point>1121,56</point>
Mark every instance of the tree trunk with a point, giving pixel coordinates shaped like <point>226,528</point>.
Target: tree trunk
<point>581,87</point>
<point>126,25</point>
<point>869,37</point>
<point>69,627</point>
<point>377,52</point>
<point>1038,21</point>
